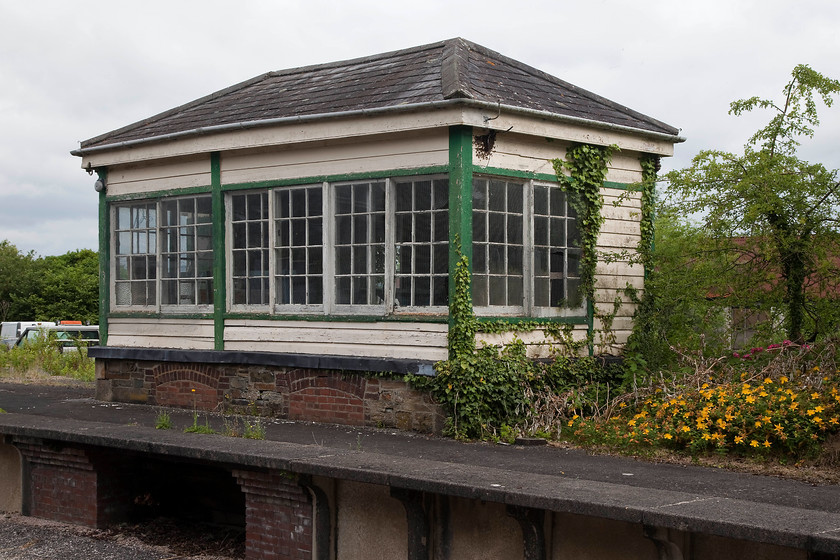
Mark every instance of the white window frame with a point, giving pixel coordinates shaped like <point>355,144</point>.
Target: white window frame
<point>329,307</point>
<point>528,307</point>
<point>420,309</point>
<point>229,276</point>
<point>274,218</point>
<point>157,307</point>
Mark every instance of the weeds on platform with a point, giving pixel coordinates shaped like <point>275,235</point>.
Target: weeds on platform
<point>237,426</point>
<point>46,354</point>
<point>196,428</point>
<point>163,421</point>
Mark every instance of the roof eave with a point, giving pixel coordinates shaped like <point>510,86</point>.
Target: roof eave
<point>412,107</point>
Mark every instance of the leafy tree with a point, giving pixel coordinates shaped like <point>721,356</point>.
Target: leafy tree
<point>678,308</point>
<point>770,218</point>
<point>48,288</point>
<point>17,279</point>
<point>67,287</point>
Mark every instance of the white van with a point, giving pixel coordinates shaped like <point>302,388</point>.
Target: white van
<point>66,336</point>
<point>10,331</point>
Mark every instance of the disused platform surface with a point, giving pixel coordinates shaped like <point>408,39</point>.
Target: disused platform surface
<point>705,500</point>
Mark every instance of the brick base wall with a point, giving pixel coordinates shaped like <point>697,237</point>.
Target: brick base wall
<point>291,393</point>
<point>64,485</point>
<point>278,515</point>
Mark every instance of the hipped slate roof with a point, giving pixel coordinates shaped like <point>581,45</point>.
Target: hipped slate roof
<point>446,73</point>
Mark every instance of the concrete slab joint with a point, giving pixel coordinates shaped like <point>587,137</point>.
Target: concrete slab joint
<point>418,525</point>
<point>666,548</point>
<point>532,522</point>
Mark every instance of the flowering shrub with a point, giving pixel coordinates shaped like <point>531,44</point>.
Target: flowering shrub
<point>784,402</point>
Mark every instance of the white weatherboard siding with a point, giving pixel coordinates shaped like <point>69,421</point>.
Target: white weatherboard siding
<point>535,341</point>
<point>565,131</point>
<point>285,134</point>
<point>422,341</point>
<point>292,132</point>
<point>522,153</point>
<point>184,334</point>
<point>381,154</point>
<point>620,235</point>
<point>171,174</point>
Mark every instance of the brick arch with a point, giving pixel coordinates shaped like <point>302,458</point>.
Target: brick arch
<point>327,397</point>
<point>185,386</point>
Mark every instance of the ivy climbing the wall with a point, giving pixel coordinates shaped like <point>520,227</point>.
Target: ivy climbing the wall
<point>650,167</point>
<point>587,166</point>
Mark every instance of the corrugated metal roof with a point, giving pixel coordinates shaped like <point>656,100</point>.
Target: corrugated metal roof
<point>434,74</point>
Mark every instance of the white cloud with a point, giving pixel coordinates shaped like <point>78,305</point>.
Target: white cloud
<point>73,70</point>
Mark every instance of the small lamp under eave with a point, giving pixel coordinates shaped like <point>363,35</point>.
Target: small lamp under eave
<point>99,185</point>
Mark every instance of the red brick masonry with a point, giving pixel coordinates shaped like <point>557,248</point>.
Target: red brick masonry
<point>291,393</point>
<point>65,485</point>
<point>278,516</point>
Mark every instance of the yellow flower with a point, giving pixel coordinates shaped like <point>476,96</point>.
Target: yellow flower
<point>766,443</point>
<point>668,436</point>
<point>815,395</point>
<point>766,419</point>
<point>686,429</point>
<point>767,381</point>
<point>811,412</point>
<point>754,443</point>
<point>779,428</point>
<point>739,439</point>
<point>706,436</point>
<point>818,408</point>
<point>758,423</point>
<point>794,405</point>
<point>750,399</point>
<point>835,421</point>
<point>762,394</point>
<point>783,380</point>
<point>631,423</point>
<point>622,405</point>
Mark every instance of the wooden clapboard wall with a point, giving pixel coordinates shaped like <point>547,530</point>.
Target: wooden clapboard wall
<point>422,341</point>
<point>186,334</point>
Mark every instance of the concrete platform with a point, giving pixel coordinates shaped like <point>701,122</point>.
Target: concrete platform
<point>713,502</point>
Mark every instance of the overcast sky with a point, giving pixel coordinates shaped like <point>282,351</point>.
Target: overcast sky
<point>71,70</point>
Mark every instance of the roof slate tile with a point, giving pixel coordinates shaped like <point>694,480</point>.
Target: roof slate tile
<point>448,70</point>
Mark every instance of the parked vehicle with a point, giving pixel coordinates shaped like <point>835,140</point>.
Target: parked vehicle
<point>10,331</point>
<point>67,335</point>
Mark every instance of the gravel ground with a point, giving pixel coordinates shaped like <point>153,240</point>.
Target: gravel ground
<point>25,538</point>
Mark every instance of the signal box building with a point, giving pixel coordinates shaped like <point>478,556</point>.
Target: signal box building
<point>275,245</point>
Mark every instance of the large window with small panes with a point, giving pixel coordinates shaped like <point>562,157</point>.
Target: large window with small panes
<point>526,249</point>
<point>163,254</point>
<point>357,247</point>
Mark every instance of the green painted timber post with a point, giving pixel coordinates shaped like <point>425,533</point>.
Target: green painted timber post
<point>460,199</point>
<point>219,283</point>
<point>104,259</point>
